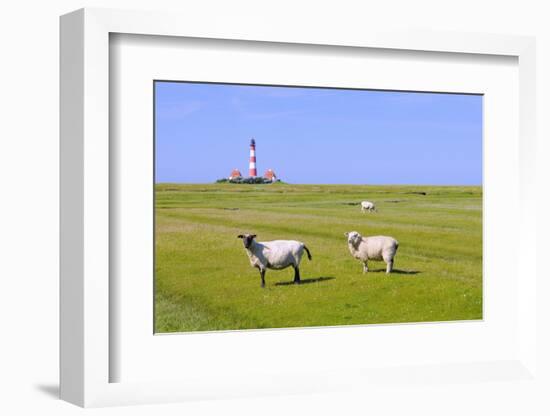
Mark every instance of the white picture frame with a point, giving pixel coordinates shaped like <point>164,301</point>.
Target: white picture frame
<point>86,356</point>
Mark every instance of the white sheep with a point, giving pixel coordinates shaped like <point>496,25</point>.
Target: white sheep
<point>276,255</point>
<point>376,248</point>
<point>367,206</point>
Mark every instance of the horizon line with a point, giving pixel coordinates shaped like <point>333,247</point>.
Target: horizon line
<point>328,184</point>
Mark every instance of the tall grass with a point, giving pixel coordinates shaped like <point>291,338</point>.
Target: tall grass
<point>204,280</point>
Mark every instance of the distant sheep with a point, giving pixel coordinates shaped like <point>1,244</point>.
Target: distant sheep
<point>276,255</point>
<point>372,248</point>
<point>367,206</point>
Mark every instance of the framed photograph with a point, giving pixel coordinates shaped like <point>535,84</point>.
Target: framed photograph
<point>273,212</point>
<point>387,163</point>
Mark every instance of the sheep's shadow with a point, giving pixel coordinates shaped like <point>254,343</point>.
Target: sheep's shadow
<point>396,271</point>
<point>306,281</point>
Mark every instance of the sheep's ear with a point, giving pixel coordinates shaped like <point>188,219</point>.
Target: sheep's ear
<point>346,234</point>
<point>240,236</point>
<point>253,236</point>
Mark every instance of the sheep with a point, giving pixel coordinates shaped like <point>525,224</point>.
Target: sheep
<point>378,248</point>
<point>367,206</point>
<point>275,255</point>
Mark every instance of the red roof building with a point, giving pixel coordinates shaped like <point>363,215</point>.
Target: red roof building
<point>235,173</point>
<point>270,174</point>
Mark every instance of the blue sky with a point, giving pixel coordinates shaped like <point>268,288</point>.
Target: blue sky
<point>313,135</point>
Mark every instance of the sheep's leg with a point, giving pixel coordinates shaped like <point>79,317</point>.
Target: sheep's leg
<point>389,266</point>
<point>262,275</point>
<point>365,267</point>
<point>296,275</point>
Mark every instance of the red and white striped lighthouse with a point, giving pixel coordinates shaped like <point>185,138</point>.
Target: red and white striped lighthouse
<point>252,165</point>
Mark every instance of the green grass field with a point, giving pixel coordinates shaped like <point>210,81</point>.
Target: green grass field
<point>204,280</point>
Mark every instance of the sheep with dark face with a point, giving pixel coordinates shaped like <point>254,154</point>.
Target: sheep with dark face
<point>377,248</point>
<point>275,255</point>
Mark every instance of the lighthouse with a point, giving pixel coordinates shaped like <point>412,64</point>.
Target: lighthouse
<point>252,165</point>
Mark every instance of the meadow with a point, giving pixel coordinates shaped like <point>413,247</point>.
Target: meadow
<point>204,281</point>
